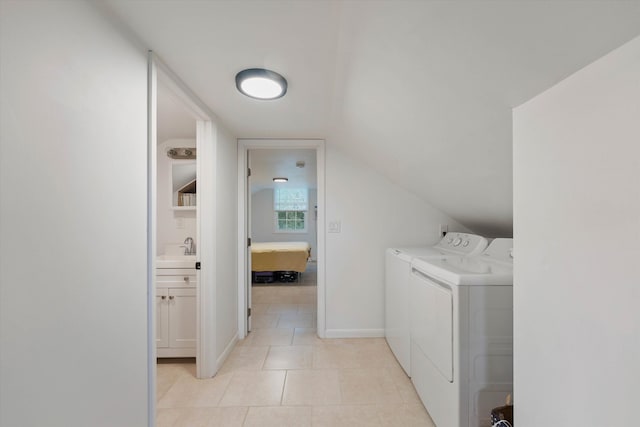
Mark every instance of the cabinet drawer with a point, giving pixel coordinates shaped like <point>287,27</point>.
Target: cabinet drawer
<point>182,281</point>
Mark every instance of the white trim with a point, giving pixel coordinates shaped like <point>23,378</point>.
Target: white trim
<point>243,146</point>
<point>152,102</point>
<point>227,351</point>
<point>354,333</point>
<point>242,241</point>
<point>206,343</point>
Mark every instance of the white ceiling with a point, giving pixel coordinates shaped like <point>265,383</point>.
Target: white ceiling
<point>268,164</point>
<point>420,90</point>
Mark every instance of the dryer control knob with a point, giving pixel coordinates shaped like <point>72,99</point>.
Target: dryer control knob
<point>450,240</point>
<point>457,242</point>
<point>466,243</point>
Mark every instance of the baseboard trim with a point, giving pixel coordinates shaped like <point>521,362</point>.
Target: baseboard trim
<point>226,352</point>
<point>354,333</point>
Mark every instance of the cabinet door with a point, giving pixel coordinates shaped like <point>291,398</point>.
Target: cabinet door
<point>182,318</point>
<point>162,317</point>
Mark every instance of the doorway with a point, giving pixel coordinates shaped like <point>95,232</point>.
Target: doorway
<point>177,238</point>
<point>278,291</point>
<point>181,145</point>
<point>283,228</point>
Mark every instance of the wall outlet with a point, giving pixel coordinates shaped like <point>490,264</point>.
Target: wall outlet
<point>334,226</point>
<point>179,222</point>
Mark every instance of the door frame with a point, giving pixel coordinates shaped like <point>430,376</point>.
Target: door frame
<point>205,235</point>
<point>244,145</point>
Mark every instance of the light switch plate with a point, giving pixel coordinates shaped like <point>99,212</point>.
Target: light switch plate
<point>334,226</point>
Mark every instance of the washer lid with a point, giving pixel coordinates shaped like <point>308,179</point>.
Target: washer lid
<point>407,254</point>
<point>466,271</point>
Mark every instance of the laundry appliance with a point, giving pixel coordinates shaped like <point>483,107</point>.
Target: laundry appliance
<point>461,311</point>
<point>398,272</point>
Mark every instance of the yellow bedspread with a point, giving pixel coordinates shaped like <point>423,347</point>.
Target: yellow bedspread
<point>279,256</point>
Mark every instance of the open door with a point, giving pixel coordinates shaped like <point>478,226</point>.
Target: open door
<point>248,226</point>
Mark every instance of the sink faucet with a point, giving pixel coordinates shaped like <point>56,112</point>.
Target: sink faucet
<point>188,248</point>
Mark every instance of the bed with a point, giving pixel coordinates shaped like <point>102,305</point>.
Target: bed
<point>280,256</point>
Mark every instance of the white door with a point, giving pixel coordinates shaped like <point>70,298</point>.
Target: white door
<point>182,318</point>
<point>248,225</point>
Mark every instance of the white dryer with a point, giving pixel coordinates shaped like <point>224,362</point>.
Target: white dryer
<point>462,334</point>
<point>397,274</point>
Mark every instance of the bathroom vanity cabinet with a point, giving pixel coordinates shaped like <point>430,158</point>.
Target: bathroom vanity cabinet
<point>176,312</point>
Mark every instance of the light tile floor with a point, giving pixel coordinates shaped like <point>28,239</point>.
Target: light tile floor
<point>282,374</point>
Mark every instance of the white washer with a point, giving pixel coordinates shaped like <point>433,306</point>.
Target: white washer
<point>397,274</point>
<point>462,334</point>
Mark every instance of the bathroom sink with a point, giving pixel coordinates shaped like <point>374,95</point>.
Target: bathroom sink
<point>176,261</point>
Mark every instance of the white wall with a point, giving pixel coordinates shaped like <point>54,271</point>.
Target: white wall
<point>73,219</point>
<point>226,239</point>
<point>375,214</point>
<point>173,226</point>
<point>263,225</point>
<point>577,247</point>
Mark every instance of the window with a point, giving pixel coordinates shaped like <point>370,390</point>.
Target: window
<point>291,221</point>
<point>290,208</point>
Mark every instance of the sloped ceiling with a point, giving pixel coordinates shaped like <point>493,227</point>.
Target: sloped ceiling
<point>420,90</point>
<point>268,164</point>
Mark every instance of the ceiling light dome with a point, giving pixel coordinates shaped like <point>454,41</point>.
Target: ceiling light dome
<point>259,83</point>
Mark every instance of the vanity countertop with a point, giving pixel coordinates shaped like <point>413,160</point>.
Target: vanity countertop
<point>176,261</point>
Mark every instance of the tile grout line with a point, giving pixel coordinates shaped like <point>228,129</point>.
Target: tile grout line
<point>284,384</point>
<point>232,375</point>
<point>265,359</point>
<point>246,414</point>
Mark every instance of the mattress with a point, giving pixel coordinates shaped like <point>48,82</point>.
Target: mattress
<point>279,256</point>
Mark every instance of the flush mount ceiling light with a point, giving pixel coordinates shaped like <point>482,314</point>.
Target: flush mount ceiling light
<point>259,83</point>
<point>280,179</point>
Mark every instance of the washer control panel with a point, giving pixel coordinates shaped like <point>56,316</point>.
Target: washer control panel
<point>463,243</point>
